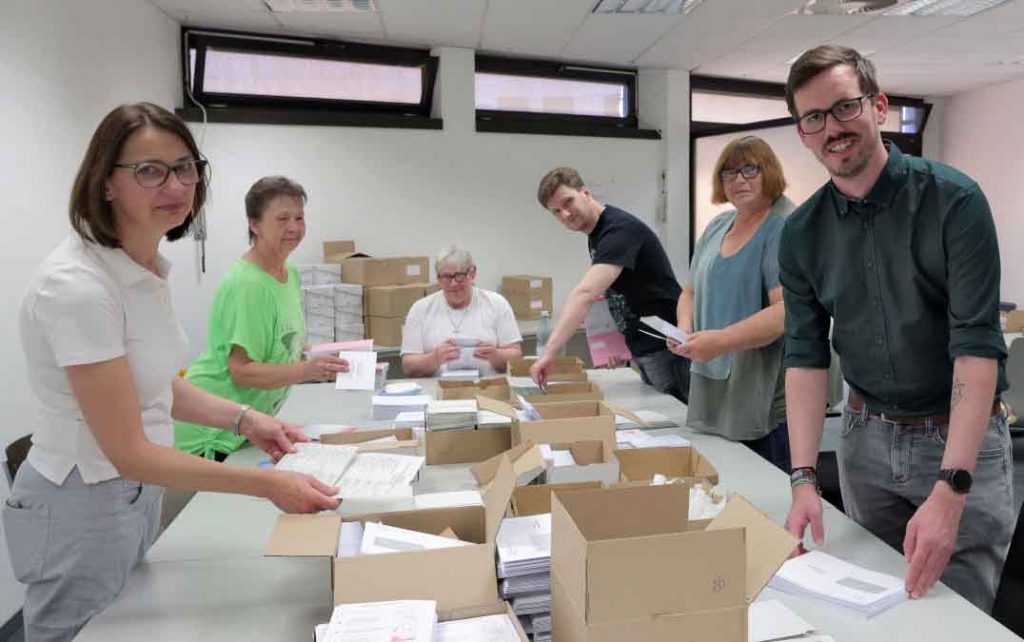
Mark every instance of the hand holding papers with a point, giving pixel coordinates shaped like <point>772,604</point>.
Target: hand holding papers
<point>357,474</point>
<point>362,368</point>
<point>665,329</point>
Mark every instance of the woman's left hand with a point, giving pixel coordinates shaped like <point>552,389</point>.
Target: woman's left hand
<point>703,346</point>
<point>270,434</point>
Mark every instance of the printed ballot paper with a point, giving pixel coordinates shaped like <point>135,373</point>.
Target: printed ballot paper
<point>356,474</point>
<point>362,368</point>
<point>405,620</point>
<point>664,328</point>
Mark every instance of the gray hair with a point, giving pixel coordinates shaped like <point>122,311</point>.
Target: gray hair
<point>453,256</point>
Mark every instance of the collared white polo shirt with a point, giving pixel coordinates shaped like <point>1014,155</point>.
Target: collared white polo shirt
<point>87,304</point>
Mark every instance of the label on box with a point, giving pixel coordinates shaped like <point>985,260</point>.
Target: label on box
<point>412,270</point>
<point>536,283</point>
<point>537,305</point>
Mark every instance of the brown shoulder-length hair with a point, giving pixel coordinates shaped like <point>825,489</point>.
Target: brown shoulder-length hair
<point>91,215</point>
<point>749,149</point>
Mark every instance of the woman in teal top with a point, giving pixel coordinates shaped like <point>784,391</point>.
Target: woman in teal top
<point>257,330</point>
<point>732,305</point>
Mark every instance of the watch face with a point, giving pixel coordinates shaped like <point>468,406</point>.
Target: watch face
<point>960,480</point>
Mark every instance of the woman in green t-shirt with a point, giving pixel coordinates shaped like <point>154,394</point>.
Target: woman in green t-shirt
<point>257,331</point>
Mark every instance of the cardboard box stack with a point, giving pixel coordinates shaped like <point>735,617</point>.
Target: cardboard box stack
<point>528,295</point>
<point>385,308</point>
<point>628,564</point>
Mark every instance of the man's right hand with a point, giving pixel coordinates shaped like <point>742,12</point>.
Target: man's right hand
<point>540,370</point>
<point>806,509</point>
<point>446,351</point>
<point>299,493</point>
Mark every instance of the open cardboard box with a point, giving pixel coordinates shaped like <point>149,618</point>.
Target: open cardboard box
<point>594,461</point>
<point>334,251</point>
<point>465,446</point>
<point>407,443</point>
<point>563,391</point>
<point>527,464</point>
<point>642,464</point>
<point>536,499</point>
<point>454,577</point>
<point>627,564</point>
<point>563,368</point>
<point>493,387</point>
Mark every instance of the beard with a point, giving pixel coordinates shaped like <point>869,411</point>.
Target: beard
<point>851,166</point>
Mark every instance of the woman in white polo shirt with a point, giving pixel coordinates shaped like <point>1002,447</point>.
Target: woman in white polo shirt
<point>103,348</point>
<point>460,327</point>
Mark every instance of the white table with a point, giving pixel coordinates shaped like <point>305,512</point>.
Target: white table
<point>206,576</point>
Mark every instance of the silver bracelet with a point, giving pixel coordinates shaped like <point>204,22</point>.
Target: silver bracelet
<point>236,423</point>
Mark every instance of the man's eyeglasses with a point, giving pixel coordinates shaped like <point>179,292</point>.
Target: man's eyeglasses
<point>749,172</point>
<point>845,110</point>
<point>155,173</point>
<point>457,277</point>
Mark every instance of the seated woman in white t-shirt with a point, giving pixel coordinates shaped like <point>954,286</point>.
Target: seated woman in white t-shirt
<point>461,327</point>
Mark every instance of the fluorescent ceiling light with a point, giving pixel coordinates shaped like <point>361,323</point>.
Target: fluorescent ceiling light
<point>321,6</point>
<point>646,6</point>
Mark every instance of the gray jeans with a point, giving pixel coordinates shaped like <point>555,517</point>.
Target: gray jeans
<point>73,545</point>
<point>887,470</point>
<point>666,372</point>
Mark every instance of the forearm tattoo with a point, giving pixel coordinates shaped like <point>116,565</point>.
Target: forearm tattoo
<point>958,392</point>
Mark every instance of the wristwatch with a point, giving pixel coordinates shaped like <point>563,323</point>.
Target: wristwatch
<point>804,475</point>
<point>959,480</point>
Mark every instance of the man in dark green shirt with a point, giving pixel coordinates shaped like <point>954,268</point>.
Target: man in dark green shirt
<point>900,254</point>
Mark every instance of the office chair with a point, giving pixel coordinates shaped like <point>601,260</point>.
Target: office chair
<point>1014,395</point>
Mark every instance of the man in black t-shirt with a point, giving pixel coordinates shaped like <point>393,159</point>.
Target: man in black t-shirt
<point>626,258</point>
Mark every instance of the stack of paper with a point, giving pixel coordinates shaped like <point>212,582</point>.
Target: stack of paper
<point>358,475</point>
<point>318,307</point>
<point>489,628</point>
<point>362,371</point>
<point>524,545</point>
<point>770,620</point>
<point>525,585</point>
<point>325,462</point>
<point>636,438</point>
<point>541,624</point>
<point>653,420</point>
<point>405,620</point>
<point>402,388</point>
<point>525,386</point>
<point>486,420</point>
<point>537,604</point>
<point>411,419</point>
<point>451,414</point>
<point>462,374</point>
<point>819,575</point>
<point>387,407</point>
<point>379,539</point>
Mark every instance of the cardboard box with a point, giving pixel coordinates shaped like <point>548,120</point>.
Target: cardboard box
<point>391,300</point>
<point>407,443</point>
<point>465,446</point>
<point>642,464</point>
<point>493,387</point>
<point>561,391</point>
<point>536,499</point>
<point>527,306</point>
<point>480,611</point>
<point>561,366</point>
<point>595,461</point>
<point>526,284</point>
<point>627,564</point>
<point>398,270</point>
<point>335,250</point>
<point>561,423</point>
<point>1014,321</point>
<point>385,331</point>
<point>454,577</point>
<point>527,464</point>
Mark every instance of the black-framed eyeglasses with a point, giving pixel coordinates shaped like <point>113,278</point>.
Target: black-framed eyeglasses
<point>457,277</point>
<point>844,110</point>
<point>749,172</point>
<point>155,173</point>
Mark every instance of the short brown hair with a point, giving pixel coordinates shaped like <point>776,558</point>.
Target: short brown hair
<point>750,149</point>
<point>265,190</point>
<point>814,61</point>
<point>92,217</point>
<point>554,179</point>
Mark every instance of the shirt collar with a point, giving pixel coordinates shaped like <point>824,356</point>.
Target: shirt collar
<point>126,271</point>
<point>883,191</point>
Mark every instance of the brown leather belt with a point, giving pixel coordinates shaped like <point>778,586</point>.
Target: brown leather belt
<point>856,403</point>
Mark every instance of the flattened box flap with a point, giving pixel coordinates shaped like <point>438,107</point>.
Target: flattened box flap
<point>566,431</point>
<point>496,406</point>
<point>768,545</point>
<point>465,446</point>
<point>497,496</point>
<point>360,436</point>
<point>526,459</point>
<point>305,536</point>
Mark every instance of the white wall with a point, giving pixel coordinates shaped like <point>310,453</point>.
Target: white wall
<point>981,137</point>
<point>63,65</point>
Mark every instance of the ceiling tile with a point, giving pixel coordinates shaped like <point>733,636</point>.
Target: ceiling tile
<point>618,38</point>
<point>886,32</point>
<point>340,26</point>
<point>792,35</point>
<point>452,23</point>
<point>536,28</point>
<point>255,21</point>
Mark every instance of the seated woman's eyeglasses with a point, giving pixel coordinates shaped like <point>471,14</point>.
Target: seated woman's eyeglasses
<point>155,173</point>
<point>749,172</point>
<point>457,277</point>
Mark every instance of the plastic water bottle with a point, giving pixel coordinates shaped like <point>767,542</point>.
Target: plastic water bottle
<point>543,332</point>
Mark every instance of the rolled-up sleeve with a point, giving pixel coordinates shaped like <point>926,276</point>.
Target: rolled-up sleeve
<point>972,264</point>
<point>807,322</point>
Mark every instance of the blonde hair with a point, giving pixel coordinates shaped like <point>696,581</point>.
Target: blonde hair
<point>749,149</point>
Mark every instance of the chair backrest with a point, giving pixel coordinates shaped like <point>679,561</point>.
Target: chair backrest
<point>15,452</point>
<point>1014,395</point>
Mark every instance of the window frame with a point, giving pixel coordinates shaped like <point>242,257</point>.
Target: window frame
<point>550,123</point>
<point>252,108</point>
